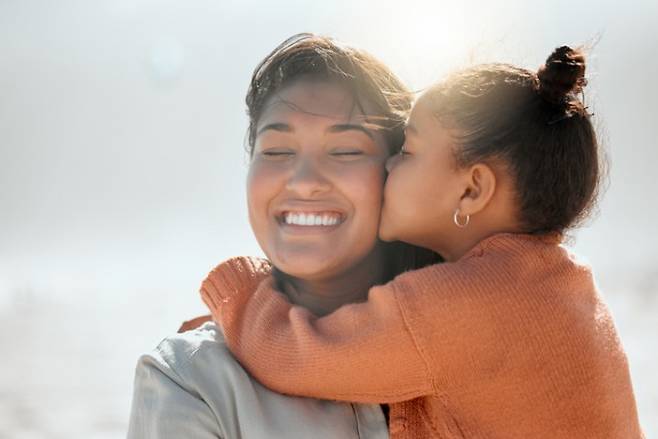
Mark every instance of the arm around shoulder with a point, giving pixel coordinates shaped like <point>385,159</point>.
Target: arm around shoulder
<point>362,352</point>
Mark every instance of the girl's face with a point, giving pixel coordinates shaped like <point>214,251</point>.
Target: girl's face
<point>424,185</point>
<point>315,182</point>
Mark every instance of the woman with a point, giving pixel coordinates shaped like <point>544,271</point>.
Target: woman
<point>339,114</point>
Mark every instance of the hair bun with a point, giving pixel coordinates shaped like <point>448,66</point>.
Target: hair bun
<point>562,76</point>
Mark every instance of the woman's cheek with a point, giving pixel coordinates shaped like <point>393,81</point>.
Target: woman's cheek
<point>264,177</point>
<point>393,183</point>
<point>255,186</point>
<point>262,183</point>
<point>368,186</point>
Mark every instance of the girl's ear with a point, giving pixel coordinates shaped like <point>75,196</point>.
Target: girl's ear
<point>480,186</point>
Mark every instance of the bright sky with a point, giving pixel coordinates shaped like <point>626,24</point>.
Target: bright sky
<point>122,123</point>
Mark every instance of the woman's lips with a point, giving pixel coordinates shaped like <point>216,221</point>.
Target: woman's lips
<point>302,222</point>
<point>311,219</point>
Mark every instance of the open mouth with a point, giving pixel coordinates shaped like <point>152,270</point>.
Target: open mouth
<point>315,219</point>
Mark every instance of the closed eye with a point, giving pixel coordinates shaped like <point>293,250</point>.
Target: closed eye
<point>277,152</point>
<point>347,153</point>
<point>346,150</point>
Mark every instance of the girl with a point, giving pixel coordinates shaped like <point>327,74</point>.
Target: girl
<point>509,338</point>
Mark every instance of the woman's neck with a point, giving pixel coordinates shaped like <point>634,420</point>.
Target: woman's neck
<point>323,296</point>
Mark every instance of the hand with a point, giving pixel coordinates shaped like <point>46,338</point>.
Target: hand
<point>235,276</point>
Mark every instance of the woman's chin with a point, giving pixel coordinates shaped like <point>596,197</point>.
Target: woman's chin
<point>306,266</point>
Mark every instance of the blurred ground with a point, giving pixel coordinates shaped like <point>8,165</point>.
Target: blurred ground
<point>68,369</point>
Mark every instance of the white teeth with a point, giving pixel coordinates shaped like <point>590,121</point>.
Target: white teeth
<point>311,219</point>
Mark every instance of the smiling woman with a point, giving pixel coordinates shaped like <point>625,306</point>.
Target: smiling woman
<point>323,120</point>
<point>315,160</point>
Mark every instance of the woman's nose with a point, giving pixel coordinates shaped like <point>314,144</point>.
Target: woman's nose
<point>307,179</point>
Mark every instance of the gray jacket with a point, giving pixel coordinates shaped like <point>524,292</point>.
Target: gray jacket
<point>191,386</point>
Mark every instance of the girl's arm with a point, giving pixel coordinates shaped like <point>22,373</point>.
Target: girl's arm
<point>362,352</point>
<point>194,323</point>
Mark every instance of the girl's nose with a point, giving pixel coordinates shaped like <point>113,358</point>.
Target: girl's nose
<point>392,161</point>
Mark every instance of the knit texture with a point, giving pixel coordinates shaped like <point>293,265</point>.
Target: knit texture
<point>511,341</point>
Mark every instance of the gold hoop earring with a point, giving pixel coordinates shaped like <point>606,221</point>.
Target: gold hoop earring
<point>456,220</point>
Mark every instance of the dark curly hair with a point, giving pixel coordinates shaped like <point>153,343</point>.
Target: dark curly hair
<point>534,123</point>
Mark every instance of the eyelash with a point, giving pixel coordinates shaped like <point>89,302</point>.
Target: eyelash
<point>277,152</point>
<point>348,153</point>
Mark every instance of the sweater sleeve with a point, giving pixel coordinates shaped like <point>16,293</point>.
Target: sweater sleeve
<point>362,352</point>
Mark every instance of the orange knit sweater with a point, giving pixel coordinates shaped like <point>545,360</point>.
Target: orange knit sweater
<point>511,341</point>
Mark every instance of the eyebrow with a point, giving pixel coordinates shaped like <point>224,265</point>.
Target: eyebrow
<point>341,128</point>
<point>281,127</point>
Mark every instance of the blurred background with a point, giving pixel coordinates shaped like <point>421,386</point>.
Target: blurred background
<point>122,166</point>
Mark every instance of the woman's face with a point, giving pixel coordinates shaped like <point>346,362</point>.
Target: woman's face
<point>315,181</point>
